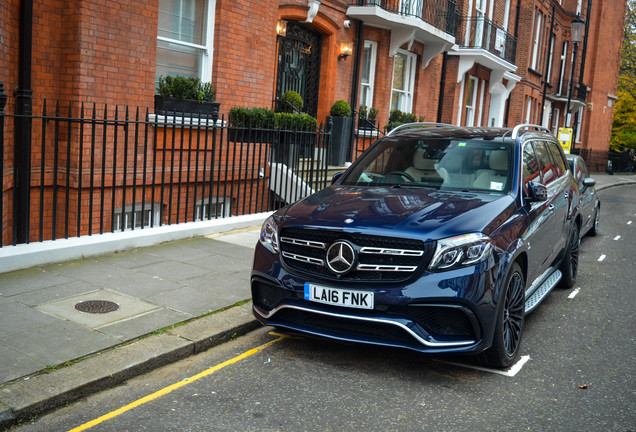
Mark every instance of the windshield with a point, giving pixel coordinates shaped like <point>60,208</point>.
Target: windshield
<point>472,165</point>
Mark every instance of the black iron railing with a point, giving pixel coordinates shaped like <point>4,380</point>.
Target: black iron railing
<point>479,32</point>
<point>96,169</point>
<point>562,89</point>
<point>442,14</point>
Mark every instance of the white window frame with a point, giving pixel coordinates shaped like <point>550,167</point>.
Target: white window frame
<point>471,106</point>
<point>537,39</point>
<point>133,216</point>
<point>406,104</point>
<point>564,55</point>
<point>506,18</point>
<point>555,121</point>
<point>207,50</point>
<point>219,208</point>
<point>368,102</point>
<point>528,109</point>
<point>550,60</point>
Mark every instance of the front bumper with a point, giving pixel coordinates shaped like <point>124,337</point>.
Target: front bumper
<point>445,312</point>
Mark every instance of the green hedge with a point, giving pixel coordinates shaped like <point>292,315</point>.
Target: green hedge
<point>267,119</point>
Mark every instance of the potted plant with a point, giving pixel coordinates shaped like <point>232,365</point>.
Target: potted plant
<point>177,94</point>
<point>291,102</point>
<point>367,118</point>
<point>397,117</point>
<point>341,133</point>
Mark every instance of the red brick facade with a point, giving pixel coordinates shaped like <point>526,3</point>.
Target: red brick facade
<point>105,52</point>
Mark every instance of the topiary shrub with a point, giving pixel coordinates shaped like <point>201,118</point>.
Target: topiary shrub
<point>291,102</point>
<point>340,108</point>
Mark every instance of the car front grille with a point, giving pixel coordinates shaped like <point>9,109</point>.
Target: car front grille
<point>378,258</point>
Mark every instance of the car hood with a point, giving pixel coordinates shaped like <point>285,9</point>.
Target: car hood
<point>420,213</point>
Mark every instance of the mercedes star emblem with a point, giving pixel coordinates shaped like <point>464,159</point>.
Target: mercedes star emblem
<point>340,257</point>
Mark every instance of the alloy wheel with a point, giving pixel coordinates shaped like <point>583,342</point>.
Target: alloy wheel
<point>513,314</point>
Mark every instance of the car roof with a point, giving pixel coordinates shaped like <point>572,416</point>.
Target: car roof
<point>440,130</point>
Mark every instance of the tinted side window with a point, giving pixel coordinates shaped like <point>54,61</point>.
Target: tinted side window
<point>557,157</point>
<point>531,170</point>
<point>548,174</point>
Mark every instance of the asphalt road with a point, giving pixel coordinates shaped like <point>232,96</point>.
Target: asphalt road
<point>576,372</point>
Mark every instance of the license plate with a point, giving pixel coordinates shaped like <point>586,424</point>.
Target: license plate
<point>339,297</point>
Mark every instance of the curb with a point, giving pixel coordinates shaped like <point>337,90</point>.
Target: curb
<point>38,394</point>
<point>621,183</point>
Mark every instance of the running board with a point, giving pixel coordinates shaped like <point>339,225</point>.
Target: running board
<point>542,291</point>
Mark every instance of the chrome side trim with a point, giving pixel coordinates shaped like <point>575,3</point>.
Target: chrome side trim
<point>389,251</point>
<point>384,267</point>
<point>424,342</point>
<point>299,242</point>
<point>304,259</point>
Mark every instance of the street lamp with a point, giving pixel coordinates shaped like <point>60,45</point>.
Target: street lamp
<point>576,31</point>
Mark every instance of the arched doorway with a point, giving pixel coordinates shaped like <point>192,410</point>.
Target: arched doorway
<point>299,56</point>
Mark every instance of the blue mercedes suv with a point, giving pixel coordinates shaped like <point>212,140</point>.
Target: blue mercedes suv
<point>438,239</point>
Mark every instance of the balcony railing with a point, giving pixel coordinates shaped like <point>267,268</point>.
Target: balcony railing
<point>579,92</point>
<point>442,14</point>
<point>481,33</point>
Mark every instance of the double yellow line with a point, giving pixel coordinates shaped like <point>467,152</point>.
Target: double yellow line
<point>164,391</point>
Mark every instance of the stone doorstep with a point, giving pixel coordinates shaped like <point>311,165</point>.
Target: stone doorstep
<point>35,395</point>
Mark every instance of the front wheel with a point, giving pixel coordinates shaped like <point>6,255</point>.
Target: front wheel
<point>570,263</point>
<point>510,320</point>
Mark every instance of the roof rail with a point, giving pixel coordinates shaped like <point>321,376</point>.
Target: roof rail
<point>515,131</point>
<point>416,124</point>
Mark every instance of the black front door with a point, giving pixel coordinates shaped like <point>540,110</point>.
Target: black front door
<point>299,64</point>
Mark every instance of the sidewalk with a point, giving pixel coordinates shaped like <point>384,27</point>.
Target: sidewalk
<point>203,281</point>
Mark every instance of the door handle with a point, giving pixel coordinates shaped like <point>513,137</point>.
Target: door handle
<point>551,208</point>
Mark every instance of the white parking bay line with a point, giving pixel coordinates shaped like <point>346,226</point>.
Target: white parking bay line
<point>602,257</point>
<point>514,370</point>
<point>574,293</point>
<point>617,237</point>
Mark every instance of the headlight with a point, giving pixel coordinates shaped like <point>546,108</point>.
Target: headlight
<point>460,251</point>
<point>269,235</point>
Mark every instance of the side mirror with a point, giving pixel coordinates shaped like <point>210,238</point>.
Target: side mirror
<point>336,176</point>
<point>589,182</point>
<point>537,192</point>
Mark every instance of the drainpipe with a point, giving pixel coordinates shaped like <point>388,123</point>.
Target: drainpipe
<point>23,109</point>
<point>517,36</point>
<point>442,85</point>
<point>547,63</point>
<point>355,85</point>
<point>587,30</point>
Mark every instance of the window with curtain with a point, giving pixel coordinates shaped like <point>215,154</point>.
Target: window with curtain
<point>403,81</point>
<point>184,38</point>
<point>536,49</point>
<point>368,73</point>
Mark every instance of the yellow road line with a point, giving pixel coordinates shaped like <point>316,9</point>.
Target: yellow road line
<point>164,391</point>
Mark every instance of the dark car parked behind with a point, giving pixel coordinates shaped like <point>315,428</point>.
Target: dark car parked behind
<point>437,239</point>
<point>589,206</point>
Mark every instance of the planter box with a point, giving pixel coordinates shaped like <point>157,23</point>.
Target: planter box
<point>366,124</point>
<point>340,145</point>
<point>167,105</point>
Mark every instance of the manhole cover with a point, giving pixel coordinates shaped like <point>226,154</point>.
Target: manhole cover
<point>97,306</point>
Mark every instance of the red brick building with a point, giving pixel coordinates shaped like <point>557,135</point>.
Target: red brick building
<point>465,62</point>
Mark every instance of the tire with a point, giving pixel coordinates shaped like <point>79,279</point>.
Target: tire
<point>510,322</point>
<point>597,215</point>
<point>570,264</point>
